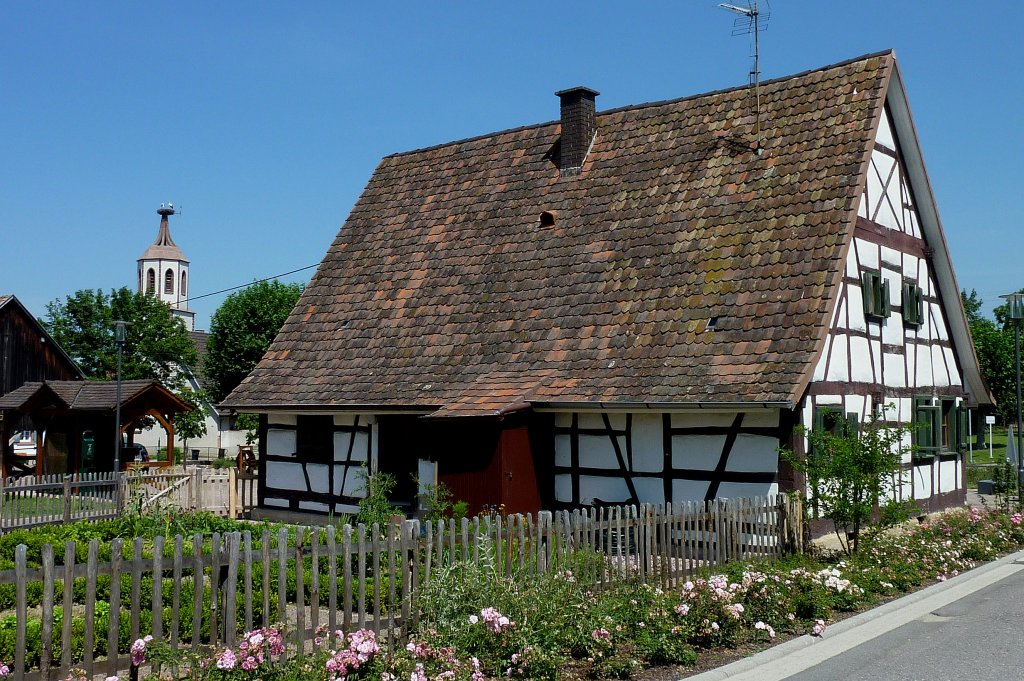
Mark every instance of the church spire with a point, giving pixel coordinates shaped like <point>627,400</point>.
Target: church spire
<point>163,269</point>
<point>164,247</point>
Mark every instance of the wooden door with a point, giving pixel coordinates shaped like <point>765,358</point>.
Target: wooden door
<point>519,491</point>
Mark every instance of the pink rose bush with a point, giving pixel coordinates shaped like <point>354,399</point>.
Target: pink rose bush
<point>138,650</point>
<point>477,625</point>
<point>344,662</point>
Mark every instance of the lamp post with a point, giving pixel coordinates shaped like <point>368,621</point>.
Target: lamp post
<point>119,333</point>
<point>1015,302</point>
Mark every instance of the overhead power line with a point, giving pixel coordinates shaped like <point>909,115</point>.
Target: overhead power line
<point>257,281</point>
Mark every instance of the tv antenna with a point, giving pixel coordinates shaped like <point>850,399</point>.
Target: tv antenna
<point>751,19</point>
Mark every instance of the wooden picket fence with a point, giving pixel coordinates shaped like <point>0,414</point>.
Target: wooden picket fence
<point>201,592</point>
<point>33,501</point>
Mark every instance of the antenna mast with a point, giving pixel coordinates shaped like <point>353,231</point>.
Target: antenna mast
<point>748,22</point>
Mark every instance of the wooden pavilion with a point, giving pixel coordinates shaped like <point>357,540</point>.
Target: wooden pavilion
<point>74,421</point>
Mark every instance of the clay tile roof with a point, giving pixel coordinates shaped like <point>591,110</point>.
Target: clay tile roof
<point>681,268</point>
<point>87,395</point>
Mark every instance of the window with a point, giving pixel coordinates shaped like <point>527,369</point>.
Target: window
<point>939,428</point>
<point>832,419</point>
<point>150,280</point>
<point>876,295</point>
<point>184,284</point>
<point>169,281</point>
<point>314,438</point>
<point>913,304</point>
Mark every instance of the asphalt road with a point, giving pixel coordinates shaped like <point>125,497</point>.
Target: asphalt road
<point>970,628</point>
<point>977,638</point>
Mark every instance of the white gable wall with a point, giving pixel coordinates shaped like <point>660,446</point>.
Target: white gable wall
<point>867,359</point>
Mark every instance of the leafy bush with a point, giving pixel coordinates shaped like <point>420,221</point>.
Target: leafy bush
<point>376,507</point>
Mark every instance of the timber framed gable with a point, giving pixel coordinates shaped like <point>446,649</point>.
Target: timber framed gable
<point>890,339</point>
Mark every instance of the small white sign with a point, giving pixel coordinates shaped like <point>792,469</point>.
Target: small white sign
<point>990,420</point>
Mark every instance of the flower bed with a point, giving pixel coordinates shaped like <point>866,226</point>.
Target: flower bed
<point>477,625</point>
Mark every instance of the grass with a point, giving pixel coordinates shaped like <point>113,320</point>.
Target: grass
<point>982,456</point>
<point>44,505</point>
<point>982,462</point>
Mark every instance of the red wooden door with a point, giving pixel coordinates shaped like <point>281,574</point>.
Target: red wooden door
<point>519,492</point>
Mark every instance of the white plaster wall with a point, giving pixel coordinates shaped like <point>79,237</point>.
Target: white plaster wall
<point>746,489</point>
<point>319,477</point>
<point>598,452</point>
<point>563,487</point>
<point>753,453</point>
<point>281,475</point>
<point>862,362</point>
<point>839,365</point>
<point>894,370</point>
<point>893,261</point>
<point>281,419</point>
<point>866,255</point>
<point>922,482</point>
<point>687,490</point>
<point>563,449</point>
<point>701,452</point>
<point>286,475</point>
<point>280,442</point>
<point>606,489</point>
<point>696,452</point>
<point>762,418</point>
<point>857,322</point>
<point>359,447</point>
<point>650,490</point>
<point>350,484</point>
<point>702,419</point>
<point>884,135</point>
<point>819,368</point>
<point>648,444</point>
<point>949,475</point>
<point>854,404</point>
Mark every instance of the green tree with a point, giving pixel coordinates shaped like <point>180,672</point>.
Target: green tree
<point>853,473</point>
<point>191,424</point>
<point>242,329</point>
<point>156,344</point>
<point>993,344</point>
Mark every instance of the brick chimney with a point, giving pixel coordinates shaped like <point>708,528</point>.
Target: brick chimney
<point>579,123</point>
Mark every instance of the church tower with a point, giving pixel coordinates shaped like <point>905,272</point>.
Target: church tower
<point>163,270</point>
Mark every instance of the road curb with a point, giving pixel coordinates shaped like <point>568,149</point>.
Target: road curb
<point>758,661</point>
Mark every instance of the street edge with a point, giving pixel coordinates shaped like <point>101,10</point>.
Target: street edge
<point>801,642</point>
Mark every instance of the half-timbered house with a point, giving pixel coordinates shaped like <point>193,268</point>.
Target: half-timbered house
<point>636,305</point>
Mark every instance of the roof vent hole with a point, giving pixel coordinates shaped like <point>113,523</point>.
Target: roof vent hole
<point>547,218</point>
<point>711,324</point>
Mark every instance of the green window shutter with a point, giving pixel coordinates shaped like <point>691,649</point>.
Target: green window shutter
<point>867,280</point>
<point>877,301</point>
<point>852,423</point>
<point>926,432</point>
<point>962,421</point>
<point>913,304</point>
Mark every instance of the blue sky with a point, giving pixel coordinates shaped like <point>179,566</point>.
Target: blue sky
<point>265,120</point>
